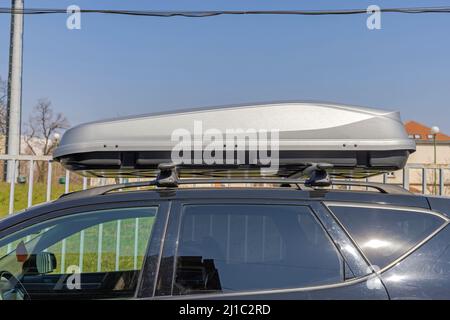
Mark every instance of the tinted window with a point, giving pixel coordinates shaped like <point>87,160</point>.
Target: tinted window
<point>385,234</point>
<point>106,248</point>
<point>225,248</point>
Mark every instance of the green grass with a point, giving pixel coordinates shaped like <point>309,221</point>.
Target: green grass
<point>21,195</point>
<point>108,244</point>
<point>91,235</point>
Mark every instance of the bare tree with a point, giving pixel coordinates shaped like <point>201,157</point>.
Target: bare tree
<point>41,131</point>
<point>3,110</point>
<point>42,127</point>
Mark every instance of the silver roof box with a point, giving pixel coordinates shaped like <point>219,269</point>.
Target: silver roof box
<point>355,141</point>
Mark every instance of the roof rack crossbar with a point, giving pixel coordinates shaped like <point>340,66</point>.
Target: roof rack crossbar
<point>382,188</point>
<point>168,177</point>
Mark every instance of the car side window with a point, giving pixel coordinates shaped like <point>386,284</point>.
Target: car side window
<point>385,234</point>
<point>95,254</point>
<point>243,247</point>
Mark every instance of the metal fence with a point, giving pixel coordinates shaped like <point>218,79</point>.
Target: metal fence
<point>430,176</point>
<point>418,178</point>
<point>32,160</point>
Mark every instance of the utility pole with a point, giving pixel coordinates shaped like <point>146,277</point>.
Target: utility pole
<point>14,87</point>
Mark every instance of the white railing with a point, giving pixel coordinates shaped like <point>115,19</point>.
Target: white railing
<point>30,180</point>
<point>438,181</point>
<point>423,182</point>
<point>420,183</point>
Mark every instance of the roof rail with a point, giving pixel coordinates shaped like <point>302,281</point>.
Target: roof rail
<point>382,188</point>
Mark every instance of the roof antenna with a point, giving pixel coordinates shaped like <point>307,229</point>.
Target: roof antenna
<point>317,175</point>
<point>168,175</point>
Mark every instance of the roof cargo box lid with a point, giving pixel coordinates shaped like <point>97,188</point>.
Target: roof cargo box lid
<point>355,140</point>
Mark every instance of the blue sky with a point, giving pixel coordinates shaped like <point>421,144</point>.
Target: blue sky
<point>118,65</point>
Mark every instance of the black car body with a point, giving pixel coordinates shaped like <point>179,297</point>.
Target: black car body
<point>230,243</point>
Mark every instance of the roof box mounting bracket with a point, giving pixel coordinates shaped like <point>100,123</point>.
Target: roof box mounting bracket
<point>168,175</point>
<point>317,175</point>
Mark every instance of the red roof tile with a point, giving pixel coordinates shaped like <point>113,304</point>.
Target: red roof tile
<point>415,128</point>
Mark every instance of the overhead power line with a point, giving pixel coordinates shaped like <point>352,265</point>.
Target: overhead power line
<point>202,14</point>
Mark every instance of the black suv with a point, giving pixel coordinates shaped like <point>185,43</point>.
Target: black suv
<point>279,242</point>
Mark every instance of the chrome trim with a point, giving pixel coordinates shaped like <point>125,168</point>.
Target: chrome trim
<point>389,207</point>
<point>417,246</point>
<point>385,207</point>
<point>378,274</point>
<point>269,291</point>
<point>330,286</point>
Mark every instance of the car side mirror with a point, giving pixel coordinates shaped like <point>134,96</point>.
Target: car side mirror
<point>40,263</point>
